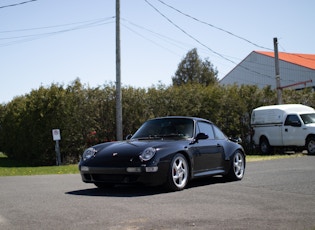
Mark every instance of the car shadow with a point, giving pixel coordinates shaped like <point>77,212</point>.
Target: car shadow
<point>141,190</point>
<point>207,181</point>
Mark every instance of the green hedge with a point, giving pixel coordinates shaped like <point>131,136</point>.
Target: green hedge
<point>86,116</point>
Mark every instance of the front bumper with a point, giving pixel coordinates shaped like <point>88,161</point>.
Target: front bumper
<point>150,175</point>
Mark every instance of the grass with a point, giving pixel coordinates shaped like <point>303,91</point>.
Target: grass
<point>253,158</point>
<point>10,167</point>
<point>44,170</point>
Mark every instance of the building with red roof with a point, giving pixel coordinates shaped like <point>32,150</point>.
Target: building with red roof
<point>296,71</point>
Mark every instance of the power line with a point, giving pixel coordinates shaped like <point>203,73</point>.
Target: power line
<point>216,27</point>
<point>218,54</point>
<point>160,36</point>
<point>17,4</point>
<point>170,40</point>
<point>55,26</point>
<point>175,43</point>
<point>170,21</point>
<point>31,37</point>
<point>228,32</point>
<point>150,40</point>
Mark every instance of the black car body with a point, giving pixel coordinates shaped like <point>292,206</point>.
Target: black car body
<point>167,150</point>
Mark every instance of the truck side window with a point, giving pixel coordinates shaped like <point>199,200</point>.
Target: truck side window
<point>206,128</point>
<point>292,120</point>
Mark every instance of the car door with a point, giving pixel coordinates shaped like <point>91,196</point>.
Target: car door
<point>294,131</point>
<point>208,152</point>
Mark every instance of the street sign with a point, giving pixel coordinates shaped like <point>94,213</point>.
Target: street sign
<point>57,137</point>
<point>56,134</point>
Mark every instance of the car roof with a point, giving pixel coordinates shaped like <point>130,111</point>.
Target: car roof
<point>186,117</point>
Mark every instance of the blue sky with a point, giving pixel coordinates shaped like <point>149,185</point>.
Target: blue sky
<point>56,41</point>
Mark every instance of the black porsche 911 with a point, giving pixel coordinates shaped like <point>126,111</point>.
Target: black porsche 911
<point>168,151</point>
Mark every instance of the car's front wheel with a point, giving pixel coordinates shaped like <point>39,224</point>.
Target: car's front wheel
<point>310,145</point>
<point>237,166</point>
<point>178,174</point>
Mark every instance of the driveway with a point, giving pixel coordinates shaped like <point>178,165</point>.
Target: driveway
<point>276,194</point>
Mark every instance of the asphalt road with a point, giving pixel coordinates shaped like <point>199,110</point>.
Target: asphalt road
<point>277,194</point>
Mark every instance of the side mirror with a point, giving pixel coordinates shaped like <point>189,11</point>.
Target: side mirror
<point>201,136</point>
<point>128,137</point>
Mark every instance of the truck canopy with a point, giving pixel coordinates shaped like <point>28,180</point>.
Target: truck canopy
<point>275,114</point>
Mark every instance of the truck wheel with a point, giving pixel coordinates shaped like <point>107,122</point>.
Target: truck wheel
<point>264,146</point>
<point>310,145</point>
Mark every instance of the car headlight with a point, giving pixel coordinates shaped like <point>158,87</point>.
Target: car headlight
<point>147,154</point>
<point>88,153</point>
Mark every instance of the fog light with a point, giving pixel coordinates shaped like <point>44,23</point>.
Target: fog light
<point>151,169</point>
<point>134,169</point>
<point>84,169</point>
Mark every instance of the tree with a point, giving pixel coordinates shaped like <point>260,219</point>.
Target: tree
<point>194,70</point>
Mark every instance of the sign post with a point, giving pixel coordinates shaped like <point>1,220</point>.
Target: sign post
<point>57,137</point>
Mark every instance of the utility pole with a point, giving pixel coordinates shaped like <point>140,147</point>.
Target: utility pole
<point>119,135</point>
<point>279,89</point>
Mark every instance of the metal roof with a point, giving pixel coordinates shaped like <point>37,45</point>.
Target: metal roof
<point>305,60</point>
<point>297,71</point>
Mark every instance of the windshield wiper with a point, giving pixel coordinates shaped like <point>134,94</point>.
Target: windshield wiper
<point>151,137</point>
<point>172,135</point>
<point>161,136</point>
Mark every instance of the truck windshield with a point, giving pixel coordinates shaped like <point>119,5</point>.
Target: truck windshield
<point>308,118</point>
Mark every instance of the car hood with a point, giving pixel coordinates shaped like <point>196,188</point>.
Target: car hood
<point>127,152</point>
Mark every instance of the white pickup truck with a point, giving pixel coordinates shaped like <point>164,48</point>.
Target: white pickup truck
<point>289,126</point>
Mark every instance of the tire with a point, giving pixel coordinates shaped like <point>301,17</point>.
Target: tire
<point>264,146</point>
<point>178,174</point>
<point>310,145</point>
<point>237,167</point>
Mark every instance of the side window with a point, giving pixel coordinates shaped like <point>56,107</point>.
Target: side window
<point>218,134</point>
<point>292,119</point>
<point>206,128</point>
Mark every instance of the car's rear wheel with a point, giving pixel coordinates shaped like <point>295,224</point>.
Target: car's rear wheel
<point>178,174</point>
<point>265,147</point>
<point>237,167</point>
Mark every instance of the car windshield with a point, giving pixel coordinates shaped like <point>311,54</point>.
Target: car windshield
<point>166,127</point>
<point>308,118</point>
